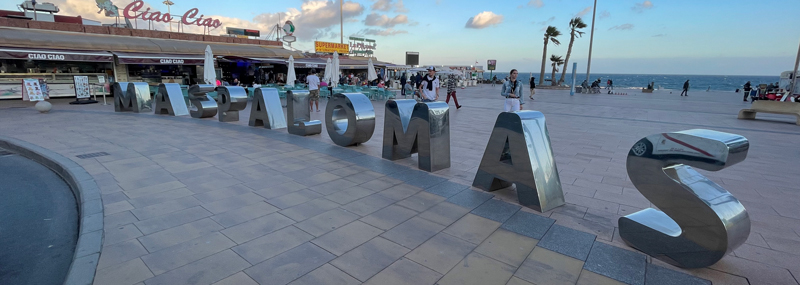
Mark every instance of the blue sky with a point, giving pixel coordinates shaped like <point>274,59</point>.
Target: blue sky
<point>657,37</point>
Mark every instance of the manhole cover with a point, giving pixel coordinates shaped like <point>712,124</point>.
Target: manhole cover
<point>91,155</point>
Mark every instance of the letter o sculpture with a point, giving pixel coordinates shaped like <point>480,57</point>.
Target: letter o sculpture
<point>349,118</point>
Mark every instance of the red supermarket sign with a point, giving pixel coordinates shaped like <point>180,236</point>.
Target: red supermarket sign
<point>130,12</point>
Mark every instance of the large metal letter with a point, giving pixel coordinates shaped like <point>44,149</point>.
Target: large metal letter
<point>121,101</point>
<point>266,109</point>
<point>232,99</point>
<point>206,106</point>
<point>411,127</point>
<point>349,119</point>
<point>139,95</point>
<point>169,100</point>
<point>519,153</point>
<point>299,114</point>
<point>699,222</point>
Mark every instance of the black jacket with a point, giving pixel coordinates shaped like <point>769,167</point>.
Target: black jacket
<point>533,83</point>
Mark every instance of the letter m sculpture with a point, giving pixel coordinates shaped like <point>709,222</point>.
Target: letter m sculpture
<point>424,128</point>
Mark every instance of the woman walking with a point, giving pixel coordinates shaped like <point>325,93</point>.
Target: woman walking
<point>512,90</point>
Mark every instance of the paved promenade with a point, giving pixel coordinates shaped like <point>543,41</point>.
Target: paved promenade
<point>191,201</point>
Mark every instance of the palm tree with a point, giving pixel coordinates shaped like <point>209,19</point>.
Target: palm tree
<point>549,36</point>
<point>556,62</point>
<point>574,25</point>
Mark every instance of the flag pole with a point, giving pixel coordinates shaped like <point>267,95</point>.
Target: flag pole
<point>591,41</point>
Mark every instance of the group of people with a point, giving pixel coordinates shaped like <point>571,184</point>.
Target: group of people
<point>426,88</point>
<point>759,93</point>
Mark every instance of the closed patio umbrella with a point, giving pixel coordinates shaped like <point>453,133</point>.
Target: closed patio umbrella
<point>328,70</point>
<point>371,74</point>
<point>335,71</point>
<point>291,76</point>
<point>209,76</point>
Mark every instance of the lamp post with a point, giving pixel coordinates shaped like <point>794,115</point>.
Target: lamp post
<point>33,2</point>
<point>591,41</point>
<point>169,4</point>
<point>341,21</point>
<point>794,73</point>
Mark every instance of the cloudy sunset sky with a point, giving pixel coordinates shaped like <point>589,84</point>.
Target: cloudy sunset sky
<point>733,37</point>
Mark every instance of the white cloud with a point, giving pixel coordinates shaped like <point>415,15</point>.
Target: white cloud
<point>399,7</point>
<point>584,12</point>
<point>536,3</point>
<point>373,19</point>
<point>545,22</point>
<point>622,27</point>
<point>603,15</point>
<point>483,20</point>
<point>641,7</point>
<point>379,32</point>
<point>382,5</point>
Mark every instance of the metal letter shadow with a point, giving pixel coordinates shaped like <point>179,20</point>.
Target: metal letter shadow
<point>298,113</point>
<point>349,119</point>
<point>232,99</point>
<point>424,128</point>
<point>131,96</point>
<point>169,100</point>
<point>206,106</point>
<point>699,222</point>
<point>266,109</point>
<point>519,153</point>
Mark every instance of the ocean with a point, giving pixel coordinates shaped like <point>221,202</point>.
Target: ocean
<point>670,82</point>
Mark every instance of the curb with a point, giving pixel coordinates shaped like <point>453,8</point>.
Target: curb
<point>90,206</point>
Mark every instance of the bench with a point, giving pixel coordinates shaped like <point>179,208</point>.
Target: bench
<point>774,107</point>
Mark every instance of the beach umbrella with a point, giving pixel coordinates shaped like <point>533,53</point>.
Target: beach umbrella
<point>209,76</point>
<point>371,74</point>
<point>328,70</point>
<point>291,77</point>
<point>335,71</point>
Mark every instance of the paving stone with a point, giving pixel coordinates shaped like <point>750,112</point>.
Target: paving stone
<point>470,199</point>
<point>244,214</point>
<point>224,193</point>
<point>444,213</point>
<point>389,217</point>
<point>380,184</point>
<point>569,242</point>
<point>617,263</point>
<point>294,198</point>
<point>270,245</point>
<point>257,227</point>
<point>496,210</point>
<point>591,278</point>
<point>657,275</point>
<point>237,279</point>
<point>204,271</point>
<point>184,253</point>
<point>405,271</point>
<point>113,208</point>
<point>417,178</point>
<point>527,224</point>
<point>270,191</point>
<point>548,267</point>
<point>370,258</point>
<point>326,275</point>
<point>478,269</point>
<point>171,220</point>
<point>290,265</point>
<point>413,232</point>
<point>153,199</point>
<point>332,187</point>
<point>516,281</point>
<point>368,205</point>
<point>441,253</point>
<point>327,222</point>
<point>309,209</point>
<point>349,195</point>
<point>122,233</point>
<point>421,201</point>
<point>446,189</point>
<point>472,228</point>
<point>400,192</point>
<point>507,247</point>
<point>120,252</point>
<point>166,238</point>
<point>129,272</point>
<point>348,237</point>
<point>167,207</point>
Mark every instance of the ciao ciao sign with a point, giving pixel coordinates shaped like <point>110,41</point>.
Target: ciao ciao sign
<point>46,56</point>
<point>188,18</point>
<point>171,61</point>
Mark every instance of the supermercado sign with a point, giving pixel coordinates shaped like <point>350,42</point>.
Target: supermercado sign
<point>188,18</point>
<point>331,47</point>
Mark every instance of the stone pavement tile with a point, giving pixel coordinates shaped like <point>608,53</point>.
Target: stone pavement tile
<point>113,208</point>
<point>626,198</point>
<point>569,242</point>
<point>166,238</point>
<point>400,192</point>
<point>413,232</point>
<point>120,252</point>
<point>770,257</point>
<point>581,182</point>
<point>368,205</point>
<point>114,197</point>
<point>204,271</point>
<point>326,222</point>
<point>405,271</point>
<point>516,281</point>
<point>417,178</point>
<point>317,179</point>
<point>173,219</point>
<point>783,243</point>
<point>369,258</point>
<point>350,236</point>
<point>507,247</point>
<point>362,177</point>
<point>389,217</point>
<point>470,198</point>
<point>421,201</point>
<point>304,173</point>
<point>603,231</point>
<point>184,253</point>
<point>326,275</point>
<point>119,219</point>
<point>349,195</point>
<point>571,210</point>
<point>270,245</point>
<point>528,224</point>
<point>167,207</point>
<point>657,275</point>
<point>294,198</point>
<point>496,210</point>
<point>332,187</point>
<point>278,190</point>
<point>309,209</point>
<point>126,273</point>
<point>257,227</point>
<point>119,234</point>
<point>617,263</point>
<point>244,214</point>
<point>441,253</point>
<point>380,184</point>
<point>446,189</point>
<point>240,278</point>
<point>152,199</point>
<point>591,278</point>
<point>591,203</point>
<point>627,210</point>
<point>290,265</point>
<point>232,203</point>
<point>581,191</point>
<point>227,192</point>
<point>547,267</point>
<point>149,190</point>
<point>478,269</point>
<point>472,228</point>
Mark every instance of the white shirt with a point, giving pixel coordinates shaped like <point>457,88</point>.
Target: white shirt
<point>313,82</point>
<point>429,94</point>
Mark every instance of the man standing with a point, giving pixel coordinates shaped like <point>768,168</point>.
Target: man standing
<point>451,90</point>
<point>686,89</point>
<point>747,88</point>
<point>512,90</point>
<point>417,81</point>
<point>313,89</point>
<point>403,84</point>
<point>429,86</point>
<point>533,87</point>
<point>494,79</point>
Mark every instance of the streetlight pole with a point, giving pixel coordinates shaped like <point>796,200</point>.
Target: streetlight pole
<point>169,5</point>
<point>341,21</point>
<point>34,10</point>
<point>591,41</point>
<point>794,73</point>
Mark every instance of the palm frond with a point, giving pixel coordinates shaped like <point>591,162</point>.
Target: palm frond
<point>555,41</point>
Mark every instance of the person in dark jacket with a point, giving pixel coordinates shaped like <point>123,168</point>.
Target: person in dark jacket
<point>747,88</point>
<point>533,87</point>
<point>685,88</point>
<point>417,81</point>
<point>403,84</point>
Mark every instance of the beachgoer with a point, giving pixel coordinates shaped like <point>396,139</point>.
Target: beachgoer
<point>685,88</point>
<point>403,81</point>
<point>747,88</point>
<point>512,90</point>
<point>313,89</point>
<point>429,86</point>
<point>451,90</point>
<point>408,89</point>
<point>533,87</point>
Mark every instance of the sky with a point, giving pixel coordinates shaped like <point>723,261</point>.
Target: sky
<point>711,37</point>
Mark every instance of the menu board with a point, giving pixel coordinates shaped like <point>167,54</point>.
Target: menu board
<point>31,90</point>
<point>101,79</point>
<point>81,87</point>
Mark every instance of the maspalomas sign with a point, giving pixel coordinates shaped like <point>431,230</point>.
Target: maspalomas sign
<point>188,18</point>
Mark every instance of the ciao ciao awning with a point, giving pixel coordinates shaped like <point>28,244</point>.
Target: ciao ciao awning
<point>55,55</point>
<point>159,59</point>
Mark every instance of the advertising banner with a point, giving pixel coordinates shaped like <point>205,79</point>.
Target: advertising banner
<point>492,63</point>
<point>31,90</point>
<point>81,87</point>
<point>331,47</point>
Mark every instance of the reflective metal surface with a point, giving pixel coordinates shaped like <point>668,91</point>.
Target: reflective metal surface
<point>266,109</point>
<point>121,101</point>
<point>169,100</point>
<point>699,222</point>
<point>349,118</point>
<point>206,106</point>
<point>424,128</point>
<point>232,99</point>
<point>139,95</point>
<point>519,152</point>
<point>298,114</point>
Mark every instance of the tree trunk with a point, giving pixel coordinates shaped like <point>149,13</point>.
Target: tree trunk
<point>553,82</point>
<point>566,60</point>
<point>544,60</point>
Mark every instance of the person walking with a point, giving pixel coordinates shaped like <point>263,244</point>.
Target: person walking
<point>494,79</point>
<point>403,85</point>
<point>685,88</point>
<point>747,88</point>
<point>429,86</point>
<point>313,89</point>
<point>533,87</point>
<point>451,90</point>
<point>610,86</point>
<point>512,90</point>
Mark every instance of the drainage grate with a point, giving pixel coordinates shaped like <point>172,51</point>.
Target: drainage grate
<point>4,152</point>
<point>91,155</point>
